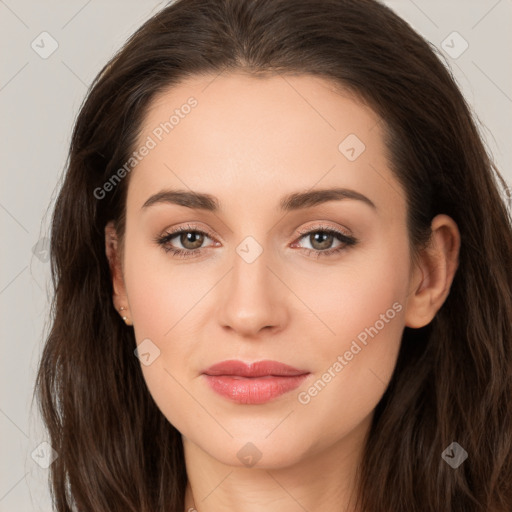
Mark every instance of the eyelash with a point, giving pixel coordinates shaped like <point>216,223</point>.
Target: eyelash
<point>164,240</point>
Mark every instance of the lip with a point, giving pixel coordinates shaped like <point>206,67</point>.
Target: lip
<point>254,383</point>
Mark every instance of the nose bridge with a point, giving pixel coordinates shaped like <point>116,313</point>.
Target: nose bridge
<point>251,277</point>
<point>251,298</point>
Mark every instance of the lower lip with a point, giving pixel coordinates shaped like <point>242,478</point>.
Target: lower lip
<point>253,390</point>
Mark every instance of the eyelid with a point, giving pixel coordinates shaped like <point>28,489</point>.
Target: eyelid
<point>324,227</point>
<point>188,227</point>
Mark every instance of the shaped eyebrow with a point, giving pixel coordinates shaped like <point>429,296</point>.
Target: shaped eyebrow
<point>290,202</point>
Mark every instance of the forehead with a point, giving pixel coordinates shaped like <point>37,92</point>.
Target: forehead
<point>244,136</point>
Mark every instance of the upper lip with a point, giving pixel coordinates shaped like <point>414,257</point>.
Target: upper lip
<point>256,369</point>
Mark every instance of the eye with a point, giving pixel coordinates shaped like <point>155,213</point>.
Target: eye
<point>191,239</point>
<point>321,239</point>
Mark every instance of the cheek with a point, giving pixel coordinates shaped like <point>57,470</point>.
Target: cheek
<point>164,301</point>
<point>353,375</point>
<point>360,292</point>
<point>160,291</point>
<point>365,313</point>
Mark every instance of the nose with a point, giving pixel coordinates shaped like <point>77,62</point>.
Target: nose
<point>253,298</point>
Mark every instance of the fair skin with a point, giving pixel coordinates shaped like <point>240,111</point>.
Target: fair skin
<point>249,142</point>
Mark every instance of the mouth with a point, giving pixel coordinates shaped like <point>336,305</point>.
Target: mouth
<point>255,383</point>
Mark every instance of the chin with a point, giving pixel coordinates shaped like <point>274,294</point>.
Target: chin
<point>253,450</point>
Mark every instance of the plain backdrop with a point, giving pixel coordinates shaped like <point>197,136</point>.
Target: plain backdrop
<point>39,99</point>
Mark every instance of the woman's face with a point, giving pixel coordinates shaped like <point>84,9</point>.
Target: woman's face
<point>264,277</point>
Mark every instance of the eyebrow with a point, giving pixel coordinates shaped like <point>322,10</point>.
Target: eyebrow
<point>290,202</point>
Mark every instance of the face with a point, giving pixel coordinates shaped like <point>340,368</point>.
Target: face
<point>318,282</point>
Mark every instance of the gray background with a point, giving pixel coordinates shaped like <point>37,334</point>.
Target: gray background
<point>39,99</point>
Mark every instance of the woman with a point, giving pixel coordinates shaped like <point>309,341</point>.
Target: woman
<point>282,271</point>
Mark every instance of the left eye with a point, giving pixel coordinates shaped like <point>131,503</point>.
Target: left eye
<point>321,240</point>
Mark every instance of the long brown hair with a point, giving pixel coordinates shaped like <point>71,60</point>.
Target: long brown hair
<point>453,378</point>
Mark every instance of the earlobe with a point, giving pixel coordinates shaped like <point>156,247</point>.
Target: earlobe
<point>432,280</point>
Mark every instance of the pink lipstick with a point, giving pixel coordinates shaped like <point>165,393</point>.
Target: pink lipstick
<point>254,383</point>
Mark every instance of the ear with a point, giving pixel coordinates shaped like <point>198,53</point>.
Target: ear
<point>112,250</point>
<point>433,276</point>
